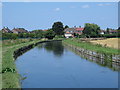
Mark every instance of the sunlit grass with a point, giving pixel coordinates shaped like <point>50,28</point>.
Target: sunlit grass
<point>10,79</point>
<point>92,47</point>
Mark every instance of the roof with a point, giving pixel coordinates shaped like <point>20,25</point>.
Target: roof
<point>44,30</point>
<point>70,29</point>
<point>20,30</point>
<point>113,31</point>
<point>79,29</point>
<point>6,30</point>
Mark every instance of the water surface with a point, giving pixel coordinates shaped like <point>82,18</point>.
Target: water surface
<point>51,65</point>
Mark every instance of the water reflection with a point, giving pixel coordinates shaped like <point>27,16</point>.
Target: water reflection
<point>40,68</point>
<point>101,61</point>
<point>55,47</point>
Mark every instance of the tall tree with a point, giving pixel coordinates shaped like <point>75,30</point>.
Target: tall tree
<point>91,30</point>
<point>118,32</point>
<point>58,28</point>
<point>66,26</point>
<point>107,30</point>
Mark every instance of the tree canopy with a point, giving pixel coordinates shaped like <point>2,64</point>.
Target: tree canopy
<point>91,30</point>
<point>66,26</point>
<point>58,28</point>
<point>49,34</point>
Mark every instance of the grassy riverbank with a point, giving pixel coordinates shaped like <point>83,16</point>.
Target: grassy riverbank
<point>11,79</point>
<point>87,45</point>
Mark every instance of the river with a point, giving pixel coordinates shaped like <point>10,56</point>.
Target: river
<point>52,65</point>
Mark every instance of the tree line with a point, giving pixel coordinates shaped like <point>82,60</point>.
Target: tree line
<point>57,30</point>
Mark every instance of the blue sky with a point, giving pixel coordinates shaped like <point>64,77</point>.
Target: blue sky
<point>42,15</point>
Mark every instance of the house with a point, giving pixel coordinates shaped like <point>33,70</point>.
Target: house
<point>79,30</point>
<point>70,32</point>
<point>112,31</point>
<point>19,30</point>
<point>102,32</point>
<point>6,30</point>
<point>45,30</point>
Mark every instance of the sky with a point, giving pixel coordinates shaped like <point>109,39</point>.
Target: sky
<point>42,15</point>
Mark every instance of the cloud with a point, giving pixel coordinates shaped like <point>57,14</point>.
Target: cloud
<point>100,5</point>
<point>106,4</point>
<point>85,6</point>
<point>57,9</point>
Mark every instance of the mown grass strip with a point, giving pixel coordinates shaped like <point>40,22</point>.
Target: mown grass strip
<point>11,79</point>
<point>92,47</point>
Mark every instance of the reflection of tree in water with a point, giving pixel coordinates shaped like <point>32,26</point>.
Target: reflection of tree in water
<point>40,46</point>
<point>56,47</point>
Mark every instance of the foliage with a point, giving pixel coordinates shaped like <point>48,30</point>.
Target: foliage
<point>58,28</point>
<point>49,34</point>
<point>34,34</point>
<point>109,35</point>
<point>118,32</point>
<point>66,27</point>
<point>91,30</point>
<point>9,36</point>
<point>107,31</point>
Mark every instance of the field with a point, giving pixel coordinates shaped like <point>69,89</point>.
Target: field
<point>111,42</point>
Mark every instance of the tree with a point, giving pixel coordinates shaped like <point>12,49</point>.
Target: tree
<point>66,27</point>
<point>118,31</point>
<point>58,28</point>
<point>91,30</point>
<point>50,34</point>
<point>108,30</point>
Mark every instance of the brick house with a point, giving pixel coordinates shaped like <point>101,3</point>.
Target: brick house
<point>70,32</point>
<point>19,30</point>
<point>6,30</point>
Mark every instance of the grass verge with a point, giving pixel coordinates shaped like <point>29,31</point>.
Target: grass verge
<point>11,79</point>
<point>92,47</point>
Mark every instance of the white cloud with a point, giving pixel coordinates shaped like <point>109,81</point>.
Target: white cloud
<point>85,6</point>
<point>106,4</point>
<point>100,5</point>
<point>57,9</point>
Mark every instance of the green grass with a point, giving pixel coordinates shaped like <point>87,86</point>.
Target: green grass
<point>89,46</point>
<point>11,79</point>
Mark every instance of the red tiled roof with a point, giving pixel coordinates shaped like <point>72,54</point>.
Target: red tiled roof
<point>45,30</point>
<point>79,29</point>
<point>113,31</point>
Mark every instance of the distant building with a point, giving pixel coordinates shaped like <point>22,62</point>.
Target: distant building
<point>112,31</point>
<point>102,32</point>
<point>79,30</point>
<point>6,30</point>
<point>70,32</point>
<point>45,30</point>
<point>19,30</point>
